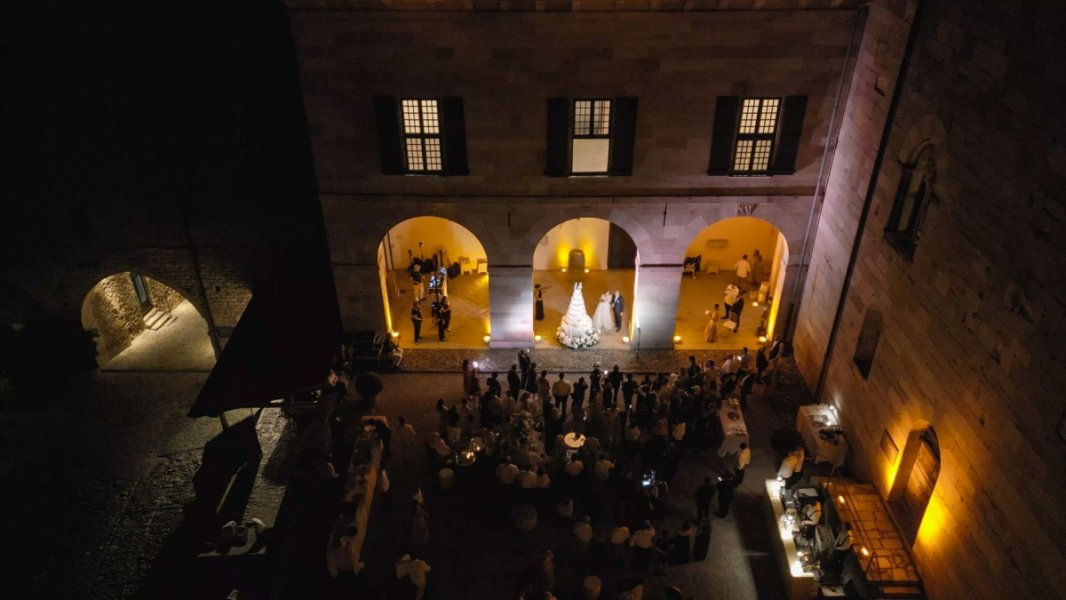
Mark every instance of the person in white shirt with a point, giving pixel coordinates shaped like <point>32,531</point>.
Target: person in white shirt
<point>743,460</point>
<point>527,479</point>
<point>415,570</point>
<point>507,473</point>
<point>743,268</point>
<point>574,467</point>
<point>642,541</point>
<point>603,468</point>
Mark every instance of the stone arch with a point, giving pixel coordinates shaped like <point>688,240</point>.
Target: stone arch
<point>120,321</point>
<point>708,264</point>
<point>608,258</point>
<point>424,238</point>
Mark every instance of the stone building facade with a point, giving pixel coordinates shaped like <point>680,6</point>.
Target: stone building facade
<point>968,314</point>
<point>506,65</point>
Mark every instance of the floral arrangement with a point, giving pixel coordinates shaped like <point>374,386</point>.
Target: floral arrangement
<point>578,340</point>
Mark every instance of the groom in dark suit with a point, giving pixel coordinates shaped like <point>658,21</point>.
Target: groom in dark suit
<point>618,306</point>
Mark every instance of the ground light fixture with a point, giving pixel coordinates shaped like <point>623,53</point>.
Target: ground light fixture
<point>486,339</point>
<point>537,338</point>
<point>625,339</point>
<point>677,339</point>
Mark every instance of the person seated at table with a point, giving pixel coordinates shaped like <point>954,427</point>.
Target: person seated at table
<point>440,450</point>
<point>507,472</point>
<point>565,507</point>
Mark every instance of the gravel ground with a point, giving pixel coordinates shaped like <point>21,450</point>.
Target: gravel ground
<point>97,471</point>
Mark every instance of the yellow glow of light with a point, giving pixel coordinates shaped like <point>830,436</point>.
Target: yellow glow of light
<point>840,499</point>
<point>934,523</point>
<point>677,339</point>
<point>762,339</point>
<point>586,270</point>
<point>754,303</point>
<point>625,339</point>
<point>486,339</point>
<point>865,552</point>
<point>395,334</point>
<point>537,338</point>
<point>564,269</point>
<point>890,474</point>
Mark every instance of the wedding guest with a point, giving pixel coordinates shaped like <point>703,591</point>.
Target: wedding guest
<point>538,295</point>
<point>615,377</point>
<point>629,389</point>
<point>743,269</point>
<point>514,382</point>
<point>523,368</point>
<point>583,536</point>
<point>642,541</point>
<point>731,293</point>
<point>416,319</point>
<point>738,307</point>
<point>579,393</point>
<point>711,332</point>
<point>603,468</point>
<point>507,472</point>
<point>561,392</point>
<point>682,546</point>
<point>415,570</point>
<point>726,485</point>
<point>743,460</point>
<point>405,440</point>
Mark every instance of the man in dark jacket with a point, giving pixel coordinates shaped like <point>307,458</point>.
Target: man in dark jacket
<point>704,495</point>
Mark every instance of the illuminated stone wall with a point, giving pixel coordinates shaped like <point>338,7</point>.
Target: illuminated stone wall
<point>112,313</point>
<point>972,334</point>
<point>505,65</point>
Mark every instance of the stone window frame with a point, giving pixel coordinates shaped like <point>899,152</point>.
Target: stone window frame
<point>423,134</point>
<point>595,127</point>
<point>755,122</point>
<point>914,193</point>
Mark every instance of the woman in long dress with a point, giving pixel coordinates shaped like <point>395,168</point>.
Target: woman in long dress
<point>711,333</point>
<point>603,318</point>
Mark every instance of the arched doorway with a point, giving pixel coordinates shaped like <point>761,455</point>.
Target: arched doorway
<point>603,258</point>
<point>711,264</point>
<point>919,469</point>
<point>140,323</point>
<point>430,258</point>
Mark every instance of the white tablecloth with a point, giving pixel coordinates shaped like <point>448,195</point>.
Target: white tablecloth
<point>735,430</point>
<point>810,421</point>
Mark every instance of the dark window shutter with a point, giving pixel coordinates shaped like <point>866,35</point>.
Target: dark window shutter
<point>725,129</point>
<point>791,131</point>
<point>623,135</point>
<point>389,142</point>
<point>453,136</point>
<point>558,157</point>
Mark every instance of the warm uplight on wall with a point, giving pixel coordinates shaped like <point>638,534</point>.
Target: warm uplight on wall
<point>934,523</point>
<point>625,339</point>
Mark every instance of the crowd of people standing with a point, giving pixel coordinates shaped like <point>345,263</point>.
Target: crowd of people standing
<point>599,450</point>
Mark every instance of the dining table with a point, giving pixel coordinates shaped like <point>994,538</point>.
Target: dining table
<point>734,429</point>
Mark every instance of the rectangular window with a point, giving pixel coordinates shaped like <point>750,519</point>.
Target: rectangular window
<point>756,131</point>
<point>421,136</point>
<point>591,145</point>
<point>869,335</point>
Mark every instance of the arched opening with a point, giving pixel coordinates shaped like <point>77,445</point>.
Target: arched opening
<point>434,260</point>
<point>919,469</point>
<point>140,323</point>
<point>712,261</point>
<point>600,256</point>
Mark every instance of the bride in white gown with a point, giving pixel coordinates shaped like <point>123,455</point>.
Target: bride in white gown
<point>603,318</point>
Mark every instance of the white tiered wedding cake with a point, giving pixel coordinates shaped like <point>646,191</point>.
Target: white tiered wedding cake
<point>576,330</point>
